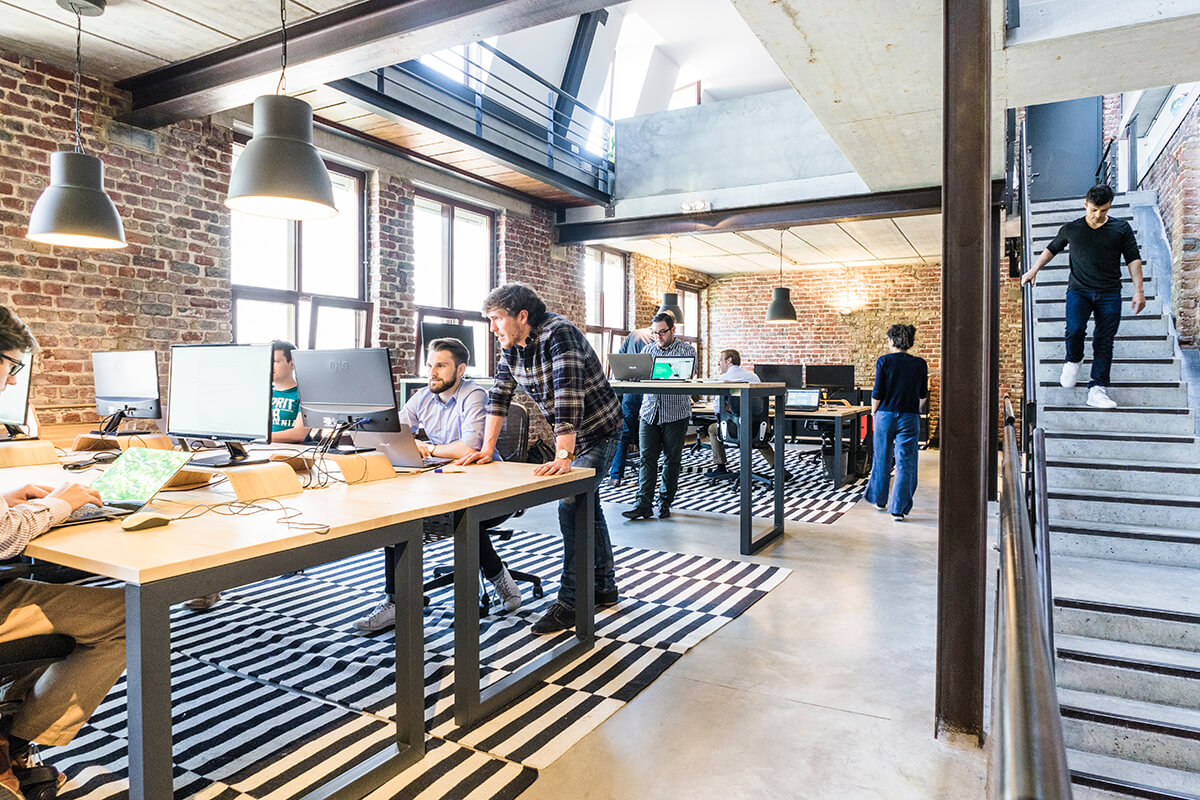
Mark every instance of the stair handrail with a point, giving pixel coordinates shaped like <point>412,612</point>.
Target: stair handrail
<point>1028,315</point>
<point>1040,514</point>
<point>1029,759</point>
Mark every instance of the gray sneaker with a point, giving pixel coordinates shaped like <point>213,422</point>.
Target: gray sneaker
<point>203,603</point>
<point>506,587</point>
<point>382,616</point>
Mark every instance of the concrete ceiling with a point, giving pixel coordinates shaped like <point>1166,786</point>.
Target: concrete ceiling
<point>898,240</point>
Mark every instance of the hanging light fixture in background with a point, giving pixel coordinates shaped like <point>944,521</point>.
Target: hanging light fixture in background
<point>280,173</point>
<point>781,311</point>
<point>74,211</point>
<point>670,301</point>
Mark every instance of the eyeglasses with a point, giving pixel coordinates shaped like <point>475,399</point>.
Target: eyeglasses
<point>663,332</point>
<point>15,366</point>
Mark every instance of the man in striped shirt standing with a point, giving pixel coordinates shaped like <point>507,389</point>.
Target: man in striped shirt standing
<point>548,357</point>
<point>664,422</point>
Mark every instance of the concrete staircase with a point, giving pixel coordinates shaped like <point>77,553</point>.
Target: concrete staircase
<point>1124,497</point>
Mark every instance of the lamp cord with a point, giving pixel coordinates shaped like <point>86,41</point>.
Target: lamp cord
<point>781,256</point>
<point>281,87</point>
<point>78,74</point>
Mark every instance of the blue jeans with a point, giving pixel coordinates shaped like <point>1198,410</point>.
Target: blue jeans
<point>1107,308</point>
<point>896,437</point>
<point>631,404</point>
<point>597,457</point>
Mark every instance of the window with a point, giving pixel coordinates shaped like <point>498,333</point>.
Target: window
<point>684,96</point>
<point>606,293</point>
<point>453,245</point>
<point>689,329</point>
<point>303,281</point>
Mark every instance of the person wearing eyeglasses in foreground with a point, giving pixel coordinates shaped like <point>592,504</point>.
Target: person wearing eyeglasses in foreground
<point>56,701</point>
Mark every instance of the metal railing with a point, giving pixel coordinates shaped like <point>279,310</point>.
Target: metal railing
<point>1108,170</point>
<point>1029,759</point>
<point>1028,308</point>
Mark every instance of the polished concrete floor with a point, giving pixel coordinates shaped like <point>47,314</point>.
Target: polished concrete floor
<point>824,689</point>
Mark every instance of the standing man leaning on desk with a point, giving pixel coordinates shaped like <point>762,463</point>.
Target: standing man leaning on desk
<point>552,361</point>
<point>58,700</point>
<point>631,404</point>
<point>664,422</point>
<point>451,412</point>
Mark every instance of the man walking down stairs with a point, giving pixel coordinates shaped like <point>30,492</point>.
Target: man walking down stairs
<point>1124,516</point>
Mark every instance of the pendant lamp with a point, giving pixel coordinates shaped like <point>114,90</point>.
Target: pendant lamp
<point>74,211</point>
<point>670,301</point>
<point>280,174</point>
<point>781,311</point>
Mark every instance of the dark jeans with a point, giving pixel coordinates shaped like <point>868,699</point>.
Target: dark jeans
<point>489,561</point>
<point>631,404</point>
<point>595,457</point>
<point>895,440</point>
<point>1107,308</point>
<point>657,439</point>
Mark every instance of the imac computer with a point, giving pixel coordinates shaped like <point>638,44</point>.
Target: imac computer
<point>126,387</point>
<point>14,404</point>
<point>791,374</point>
<point>347,390</point>
<point>221,392</point>
<point>447,330</point>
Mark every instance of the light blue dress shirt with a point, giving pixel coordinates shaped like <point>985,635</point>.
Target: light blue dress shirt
<point>459,418</point>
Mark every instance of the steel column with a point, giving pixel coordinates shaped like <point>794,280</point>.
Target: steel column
<point>966,254</point>
<point>993,469</point>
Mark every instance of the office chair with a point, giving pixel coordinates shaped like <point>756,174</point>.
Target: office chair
<point>760,434</point>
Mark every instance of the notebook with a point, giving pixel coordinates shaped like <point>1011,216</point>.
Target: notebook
<point>673,368</point>
<point>631,366</point>
<point>803,400</point>
<point>130,483</point>
<point>400,448</point>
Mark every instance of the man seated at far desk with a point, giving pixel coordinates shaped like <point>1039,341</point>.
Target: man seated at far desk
<point>56,701</point>
<point>730,364</point>
<point>451,411</point>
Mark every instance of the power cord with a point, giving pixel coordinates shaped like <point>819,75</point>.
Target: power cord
<point>238,508</point>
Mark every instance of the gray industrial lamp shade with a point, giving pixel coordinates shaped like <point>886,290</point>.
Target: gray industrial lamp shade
<point>781,311</point>
<point>671,303</point>
<point>74,211</point>
<point>280,174</point>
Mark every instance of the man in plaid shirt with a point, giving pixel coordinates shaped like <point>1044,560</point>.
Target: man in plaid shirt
<point>550,359</point>
<point>664,422</point>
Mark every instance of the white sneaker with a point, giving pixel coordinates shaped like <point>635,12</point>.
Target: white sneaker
<point>1070,374</point>
<point>506,587</point>
<point>1098,398</point>
<point>383,616</point>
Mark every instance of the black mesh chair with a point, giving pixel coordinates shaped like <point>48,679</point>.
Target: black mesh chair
<point>761,433</point>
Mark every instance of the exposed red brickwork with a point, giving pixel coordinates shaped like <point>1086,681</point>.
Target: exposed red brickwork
<point>527,255</point>
<point>390,256</point>
<point>651,278</point>
<point>1112,117</point>
<point>1175,175</point>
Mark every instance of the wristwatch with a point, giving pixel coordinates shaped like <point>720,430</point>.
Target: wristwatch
<point>562,453</point>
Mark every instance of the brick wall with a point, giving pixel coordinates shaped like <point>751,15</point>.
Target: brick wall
<point>527,254</point>
<point>1111,126</point>
<point>170,285</point>
<point>1175,175</point>
<point>390,261</point>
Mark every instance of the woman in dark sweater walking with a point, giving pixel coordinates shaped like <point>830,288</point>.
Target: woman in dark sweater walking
<point>901,381</point>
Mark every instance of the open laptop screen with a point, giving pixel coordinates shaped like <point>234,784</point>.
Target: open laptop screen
<point>673,368</point>
<point>138,475</point>
<point>803,399</point>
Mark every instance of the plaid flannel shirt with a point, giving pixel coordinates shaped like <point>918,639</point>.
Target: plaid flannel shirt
<point>560,371</point>
<point>659,409</point>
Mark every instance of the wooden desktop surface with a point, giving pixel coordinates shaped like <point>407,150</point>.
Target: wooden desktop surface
<point>700,387</point>
<point>215,539</point>
<point>824,412</point>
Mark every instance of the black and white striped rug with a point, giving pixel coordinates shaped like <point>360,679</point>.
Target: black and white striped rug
<point>808,497</point>
<point>274,691</point>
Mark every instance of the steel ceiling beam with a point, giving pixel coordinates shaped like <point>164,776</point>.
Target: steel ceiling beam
<point>345,41</point>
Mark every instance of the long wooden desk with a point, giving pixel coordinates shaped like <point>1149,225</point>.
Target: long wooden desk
<point>748,543</point>
<point>199,556</point>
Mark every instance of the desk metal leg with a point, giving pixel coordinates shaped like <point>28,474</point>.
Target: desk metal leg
<point>148,664</point>
<point>780,463</point>
<point>745,426</point>
<point>837,452</point>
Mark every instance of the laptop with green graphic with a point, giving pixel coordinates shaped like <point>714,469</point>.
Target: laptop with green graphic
<point>130,482</point>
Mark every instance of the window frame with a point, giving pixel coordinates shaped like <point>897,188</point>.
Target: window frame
<point>607,332</point>
<point>683,290</point>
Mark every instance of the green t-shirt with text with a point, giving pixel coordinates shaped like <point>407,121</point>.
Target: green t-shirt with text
<point>285,405</point>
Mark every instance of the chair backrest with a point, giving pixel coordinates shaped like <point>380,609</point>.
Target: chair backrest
<point>760,431</point>
<point>513,444</point>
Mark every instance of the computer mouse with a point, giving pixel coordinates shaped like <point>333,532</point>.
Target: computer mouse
<point>143,520</point>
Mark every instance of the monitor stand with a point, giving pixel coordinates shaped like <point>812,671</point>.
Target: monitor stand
<point>334,449</point>
<point>235,455</point>
<point>10,432</point>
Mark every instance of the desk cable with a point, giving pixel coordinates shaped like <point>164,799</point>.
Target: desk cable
<point>239,508</point>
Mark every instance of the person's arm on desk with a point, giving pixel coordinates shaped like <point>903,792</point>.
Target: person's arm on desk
<point>31,510</point>
<point>491,435</point>
<point>558,466</point>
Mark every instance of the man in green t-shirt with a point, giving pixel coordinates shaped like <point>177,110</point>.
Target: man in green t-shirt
<point>286,425</point>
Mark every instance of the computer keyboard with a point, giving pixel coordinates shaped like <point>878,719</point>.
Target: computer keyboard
<point>93,511</point>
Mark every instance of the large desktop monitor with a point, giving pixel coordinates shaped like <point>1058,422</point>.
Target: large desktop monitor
<point>351,389</point>
<point>126,386</point>
<point>830,376</point>
<point>14,403</point>
<point>221,392</point>
<point>791,374</point>
<point>449,330</point>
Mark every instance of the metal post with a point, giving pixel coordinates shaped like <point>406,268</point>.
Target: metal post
<point>966,253</point>
<point>993,306</point>
<point>1131,136</point>
<point>148,658</point>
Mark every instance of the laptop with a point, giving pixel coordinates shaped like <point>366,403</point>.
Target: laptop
<point>631,366</point>
<point>803,400</point>
<point>400,448</point>
<point>130,483</point>
<point>673,368</point>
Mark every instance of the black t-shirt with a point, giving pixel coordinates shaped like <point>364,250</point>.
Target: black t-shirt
<point>1096,253</point>
<point>901,381</point>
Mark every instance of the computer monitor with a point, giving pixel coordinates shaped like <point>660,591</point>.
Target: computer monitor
<point>14,404</point>
<point>791,374</point>
<point>126,386</point>
<point>347,390</point>
<point>830,376</point>
<point>221,392</point>
<point>449,330</point>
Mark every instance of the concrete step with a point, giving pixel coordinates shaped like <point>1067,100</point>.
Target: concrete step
<point>1152,733</point>
<point>1166,394</point>
<point>1112,540</point>
<point>1123,475</point>
<point>1121,200</point>
<point>1132,671</point>
<point>1127,601</point>
<point>1100,446</point>
<point>1120,623</point>
<point>1126,508</point>
<point>1123,370</point>
<point>1059,216</point>
<point>1099,777</point>
<point>1057,308</point>
<point>1051,347</point>
<point>1053,286</point>
<point>1129,419</point>
<point>1144,324</point>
